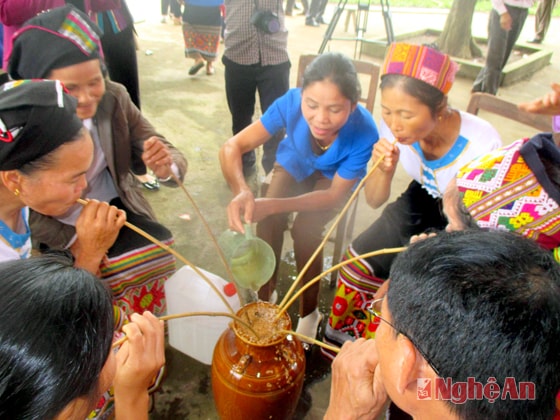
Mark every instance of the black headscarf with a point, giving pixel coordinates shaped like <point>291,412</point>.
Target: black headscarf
<point>36,117</point>
<point>540,145</point>
<point>54,39</point>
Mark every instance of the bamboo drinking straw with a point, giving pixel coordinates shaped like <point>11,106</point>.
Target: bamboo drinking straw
<point>175,253</point>
<point>329,232</point>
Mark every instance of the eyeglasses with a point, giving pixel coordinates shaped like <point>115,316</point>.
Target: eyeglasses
<point>374,309</point>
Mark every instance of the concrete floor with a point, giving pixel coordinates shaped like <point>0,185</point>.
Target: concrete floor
<point>192,113</point>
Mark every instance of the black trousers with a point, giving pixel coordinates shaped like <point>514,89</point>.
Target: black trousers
<point>120,56</point>
<point>500,45</point>
<point>414,212</point>
<point>317,8</point>
<point>242,83</point>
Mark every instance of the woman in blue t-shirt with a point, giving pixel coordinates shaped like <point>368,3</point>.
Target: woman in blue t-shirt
<point>328,143</point>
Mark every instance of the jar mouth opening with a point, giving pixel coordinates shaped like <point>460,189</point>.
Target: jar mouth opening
<point>262,317</point>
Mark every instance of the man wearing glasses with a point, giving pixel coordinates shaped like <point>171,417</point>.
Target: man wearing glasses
<point>469,328</point>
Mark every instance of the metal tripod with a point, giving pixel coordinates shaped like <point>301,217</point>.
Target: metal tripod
<point>362,14</point>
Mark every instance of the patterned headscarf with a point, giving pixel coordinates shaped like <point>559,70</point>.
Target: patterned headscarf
<point>422,63</point>
<point>510,189</point>
<point>52,40</point>
<point>36,117</point>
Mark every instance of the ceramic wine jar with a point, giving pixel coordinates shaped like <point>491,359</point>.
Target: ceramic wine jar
<point>258,378</point>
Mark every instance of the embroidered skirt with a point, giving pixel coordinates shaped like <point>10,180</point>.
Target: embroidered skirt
<point>136,269</point>
<point>201,31</point>
<point>349,318</point>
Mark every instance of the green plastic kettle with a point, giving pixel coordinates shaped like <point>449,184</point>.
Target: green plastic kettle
<point>251,259</point>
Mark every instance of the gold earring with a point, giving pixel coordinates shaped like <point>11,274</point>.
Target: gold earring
<point>16,192</point>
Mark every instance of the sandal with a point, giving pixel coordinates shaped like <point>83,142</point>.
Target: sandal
<point>151,185</point>
<point>194,69</point>
<point>148,181</point>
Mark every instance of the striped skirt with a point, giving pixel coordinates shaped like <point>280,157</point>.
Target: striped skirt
<point>136,269</point>
<point>137,278</point>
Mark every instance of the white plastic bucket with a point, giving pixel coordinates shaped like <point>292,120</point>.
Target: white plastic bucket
<point>186,291</point>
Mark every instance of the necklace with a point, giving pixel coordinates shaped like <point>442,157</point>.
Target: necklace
<point>320,146</point>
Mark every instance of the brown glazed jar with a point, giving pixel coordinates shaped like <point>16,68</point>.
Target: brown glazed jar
<point>258,378</point>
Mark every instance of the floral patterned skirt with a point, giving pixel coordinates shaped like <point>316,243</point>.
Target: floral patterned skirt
<point>349,318</point>
<point>202,26</point>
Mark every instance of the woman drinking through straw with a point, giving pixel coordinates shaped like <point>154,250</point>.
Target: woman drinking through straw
<point>45,153</point>
<point>56,331</point>
<point>433,140</point>
<point>63,44</point>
